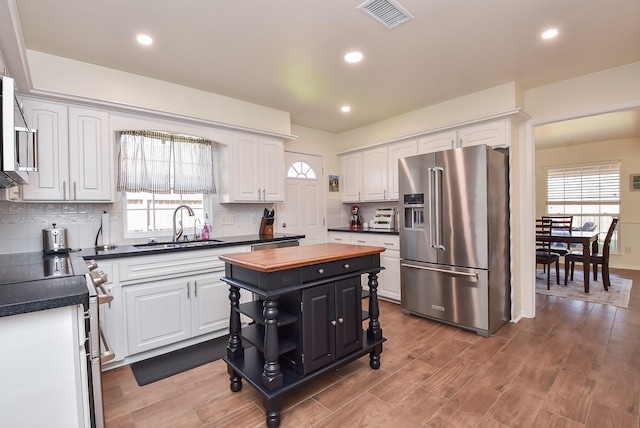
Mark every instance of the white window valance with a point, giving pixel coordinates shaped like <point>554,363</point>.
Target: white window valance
<point>159,162</point>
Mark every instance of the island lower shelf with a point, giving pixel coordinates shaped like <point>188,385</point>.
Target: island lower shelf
<point>251,367</point>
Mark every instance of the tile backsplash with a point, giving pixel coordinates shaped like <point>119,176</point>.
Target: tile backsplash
<point>21,223</point>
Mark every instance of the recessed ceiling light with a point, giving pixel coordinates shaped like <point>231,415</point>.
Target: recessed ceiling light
<point>345,109</point>
<point>550,33</point>
<point>353,57</point>
<point>143,39</point>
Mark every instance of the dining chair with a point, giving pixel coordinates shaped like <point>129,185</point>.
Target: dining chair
<point>544,255</point>
<point>563,224</point>
<point>596,259</point>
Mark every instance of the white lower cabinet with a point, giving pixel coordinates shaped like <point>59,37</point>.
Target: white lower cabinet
<point>164,302</point>
<point>43,369</point>
<point>389,278</point>
<point>172,310</point>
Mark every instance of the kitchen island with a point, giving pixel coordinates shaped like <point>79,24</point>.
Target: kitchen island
<point>307,320</point>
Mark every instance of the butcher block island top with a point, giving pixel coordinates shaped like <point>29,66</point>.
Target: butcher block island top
<point>294,257</point>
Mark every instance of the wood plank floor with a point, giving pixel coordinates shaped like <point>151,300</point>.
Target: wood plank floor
<point>576,364</point>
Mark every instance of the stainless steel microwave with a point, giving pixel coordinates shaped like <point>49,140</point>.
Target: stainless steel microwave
<point>18,142</point>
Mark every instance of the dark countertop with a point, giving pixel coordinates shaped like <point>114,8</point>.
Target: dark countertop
<point>31,282</point>
<point>26,285</point>
<point>129,250</point>
<point>379,231</point>
<point>25,297</point>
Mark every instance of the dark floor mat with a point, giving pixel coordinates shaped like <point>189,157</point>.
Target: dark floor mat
<point>163,366</point>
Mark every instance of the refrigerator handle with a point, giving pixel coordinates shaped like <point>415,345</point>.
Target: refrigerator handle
<point>432,241</point>
<point>449,272</point>
<point>437,192</point>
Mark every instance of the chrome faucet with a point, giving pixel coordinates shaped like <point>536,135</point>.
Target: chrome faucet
<point>178,234</point>
<point>195,230</point>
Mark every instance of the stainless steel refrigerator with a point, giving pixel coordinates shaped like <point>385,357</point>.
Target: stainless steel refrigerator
<point>454,237</point>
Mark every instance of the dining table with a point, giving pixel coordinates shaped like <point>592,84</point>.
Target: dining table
<point>588,240</point>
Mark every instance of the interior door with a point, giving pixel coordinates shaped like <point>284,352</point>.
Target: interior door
<point>303,210</point>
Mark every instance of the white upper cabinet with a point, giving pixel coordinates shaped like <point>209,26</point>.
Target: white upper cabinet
<point>74,154</point>
<point>371,175</point>
<point>374,174</point>
<point>351,181</point>
<point>257,170</point>
<point>493,134</point>
<point>437,142</point>
<point>396,152</point>
<point>89,155</point>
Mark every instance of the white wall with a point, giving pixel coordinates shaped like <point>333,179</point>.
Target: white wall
<point>479,104</point>
<point>52,75</point>
<point>585,95</point>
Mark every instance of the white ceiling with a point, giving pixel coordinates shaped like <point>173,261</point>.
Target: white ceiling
<point>287,54</point>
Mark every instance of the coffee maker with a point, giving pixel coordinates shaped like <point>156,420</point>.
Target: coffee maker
<point>355,221</point>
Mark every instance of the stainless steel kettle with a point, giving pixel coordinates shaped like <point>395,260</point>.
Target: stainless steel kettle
<point>54,240</point>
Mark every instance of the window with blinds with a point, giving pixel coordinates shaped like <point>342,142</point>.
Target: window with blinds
<point>591,193</point>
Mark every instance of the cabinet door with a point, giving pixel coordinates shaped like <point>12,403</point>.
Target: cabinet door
<point>158,314</point>
<point>437,142</point>
<point>351,181</point>
<point>394,153</point>
<point>51,182</point>
<point>272,175</point>
<point>363,239</point>
<point>318,330</point>
<point>389,278</point>
<point>246,168</point>
<point>348,316</point>
<point>209,303</point>
<point>374,174</point>
<point>89,155</point>
<point>493,134</point>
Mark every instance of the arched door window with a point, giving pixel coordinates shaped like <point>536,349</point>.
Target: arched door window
<point>301,169</point>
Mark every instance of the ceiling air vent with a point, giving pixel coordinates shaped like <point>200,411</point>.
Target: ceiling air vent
<point>388,12</point>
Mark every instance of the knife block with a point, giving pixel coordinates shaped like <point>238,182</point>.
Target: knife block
<point>265,229</point>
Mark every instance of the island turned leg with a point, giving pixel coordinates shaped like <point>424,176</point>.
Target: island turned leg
<point>272,378</point>
<point>235,350</point>
<point>374,332</point>
<point>272,410</point>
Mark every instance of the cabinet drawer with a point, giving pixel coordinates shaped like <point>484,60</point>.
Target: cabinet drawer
<point>341,267</point>
<point>163,265</point>
<point>390,242</point>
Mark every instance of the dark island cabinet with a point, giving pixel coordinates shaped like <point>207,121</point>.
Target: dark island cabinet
<point>304,327</point>
<point>330,327</point>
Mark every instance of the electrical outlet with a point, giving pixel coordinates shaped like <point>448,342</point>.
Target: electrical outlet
<point>627,249</point>
<point>227,220</point>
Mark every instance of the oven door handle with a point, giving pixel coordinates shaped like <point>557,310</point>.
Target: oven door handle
<point>104,296</point>
<point>108,354</point>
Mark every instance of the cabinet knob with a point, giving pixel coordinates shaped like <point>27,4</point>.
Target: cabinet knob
<point>341,320</point>
<point>346,265</point>
<point>321,271</point>
<point>333,323</point>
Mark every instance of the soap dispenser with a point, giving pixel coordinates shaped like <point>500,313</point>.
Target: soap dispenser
<point>206,229</point>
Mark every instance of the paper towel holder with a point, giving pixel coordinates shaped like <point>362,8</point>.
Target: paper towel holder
<point>104,246</point>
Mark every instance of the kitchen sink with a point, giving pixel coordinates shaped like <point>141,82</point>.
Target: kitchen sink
<point>184,244</point>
